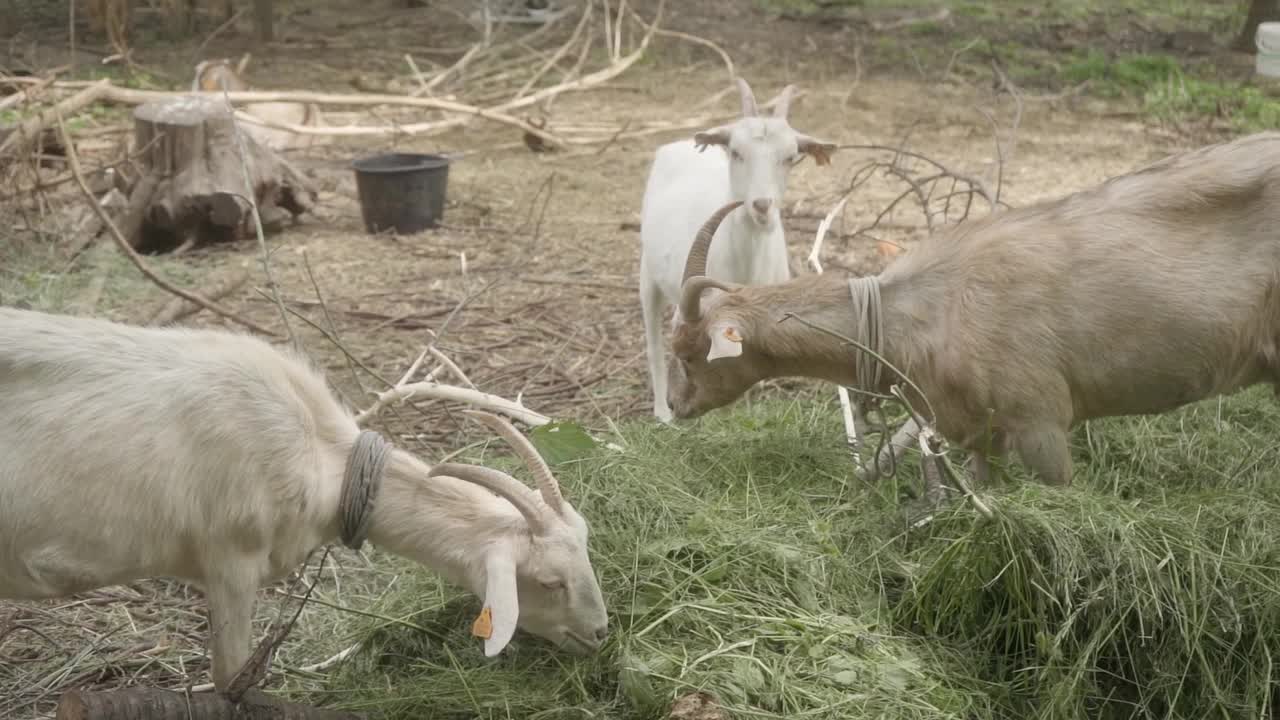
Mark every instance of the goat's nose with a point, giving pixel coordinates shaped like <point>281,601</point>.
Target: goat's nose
<point>761,205</point>
<point>602,633</point>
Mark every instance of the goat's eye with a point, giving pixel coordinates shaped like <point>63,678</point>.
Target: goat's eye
<point>552,584</point>
<point>735,155</point>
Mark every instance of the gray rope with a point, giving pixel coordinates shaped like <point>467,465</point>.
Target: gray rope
<point>865,294</point>
<point>360,486</point>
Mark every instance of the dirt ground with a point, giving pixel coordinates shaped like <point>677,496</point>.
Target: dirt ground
<point>558,231</point>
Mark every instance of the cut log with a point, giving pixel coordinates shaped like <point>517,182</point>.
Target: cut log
<point>157,704</point>
<point>188,145</point>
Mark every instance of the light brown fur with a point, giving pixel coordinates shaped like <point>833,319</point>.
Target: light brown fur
<point>1150,291</point>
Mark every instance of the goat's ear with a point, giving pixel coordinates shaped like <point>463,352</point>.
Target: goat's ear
<point>712,136</point>
<point>726,340</point>
<point>497,621</point>
<point>820,150</point>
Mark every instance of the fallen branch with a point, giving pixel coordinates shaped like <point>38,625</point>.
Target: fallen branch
<point>136,703</point>
<point>132,254</point>
<point>179,308</point>
<point>586,81</point>
<point>559,53</point>
<point>31,128</point>
<point>498,113</point>
<point>25,95</point>
<point>129,96</point>
<point>724,56</point>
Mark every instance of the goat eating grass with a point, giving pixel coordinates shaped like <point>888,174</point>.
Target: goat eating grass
<point>1151,291</point>
<point>212,457</point>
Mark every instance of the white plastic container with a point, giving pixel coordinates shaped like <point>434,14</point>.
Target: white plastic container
<point>1268,42</point>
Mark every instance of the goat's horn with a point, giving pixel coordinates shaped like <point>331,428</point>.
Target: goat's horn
<point>748,99</point>
<point>546,481</point>
<point>696,262</point>
<point>691,295</point>
<point>516,492</point>
<point>783,105</point>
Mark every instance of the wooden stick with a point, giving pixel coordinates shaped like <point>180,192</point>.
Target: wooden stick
<point>854,426</point>
<point>178,308</point>
<point>130,96</point>
<point>497,113</point>
<point>26,94</point>
<point>74,161</point>
<point>141,702</point>
<point>26,133</point>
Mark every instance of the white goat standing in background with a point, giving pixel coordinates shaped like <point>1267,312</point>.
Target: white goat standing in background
<point>131,452</point>
<point>686,185</point>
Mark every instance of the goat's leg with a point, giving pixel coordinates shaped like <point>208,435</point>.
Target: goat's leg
<point>1043,449</point>
<point>979,465</point>
<point>230,597</point>
<point>651,307</point>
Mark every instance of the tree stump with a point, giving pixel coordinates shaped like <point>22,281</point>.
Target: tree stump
<point>157,704</point>
<point>194,182</point>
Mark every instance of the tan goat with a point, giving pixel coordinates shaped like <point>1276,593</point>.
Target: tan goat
<point>1153,290</point>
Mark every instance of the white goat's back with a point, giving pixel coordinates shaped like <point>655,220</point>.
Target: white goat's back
<point>104,426</point>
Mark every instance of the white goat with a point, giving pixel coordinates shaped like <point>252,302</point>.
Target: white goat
<point>1153,290</point>
<point>685,185</point>
<point>212,457</point>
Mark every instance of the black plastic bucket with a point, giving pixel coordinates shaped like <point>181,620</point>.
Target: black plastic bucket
<point>401,191</point>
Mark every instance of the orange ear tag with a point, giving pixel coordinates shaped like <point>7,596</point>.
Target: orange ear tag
<point>483,626</point>
<point>731,334</point>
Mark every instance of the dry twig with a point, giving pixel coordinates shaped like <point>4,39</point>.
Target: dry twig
<point>179,308</point>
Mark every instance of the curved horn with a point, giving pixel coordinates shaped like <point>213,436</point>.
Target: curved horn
<point>748,99</point>
<point>696,262</point>
<point>547,485</point>
<point>691,295</point>
<point>516,492</point>
<point>783,106</point>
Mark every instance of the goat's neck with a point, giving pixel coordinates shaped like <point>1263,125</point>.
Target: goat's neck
<point>797,350</point>
<point>442,523</point>
<point>750,248</point>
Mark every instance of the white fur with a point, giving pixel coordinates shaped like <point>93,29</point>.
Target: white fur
<point>211,457</point>
<point>751,161</point>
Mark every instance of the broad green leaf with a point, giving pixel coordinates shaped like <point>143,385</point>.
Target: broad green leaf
<point>560,442</point>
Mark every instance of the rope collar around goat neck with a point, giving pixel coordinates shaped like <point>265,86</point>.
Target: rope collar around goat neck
<point>360,486</point>
<point>864,292</point>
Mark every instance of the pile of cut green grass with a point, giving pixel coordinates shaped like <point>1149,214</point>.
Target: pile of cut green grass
<point>740,557</point>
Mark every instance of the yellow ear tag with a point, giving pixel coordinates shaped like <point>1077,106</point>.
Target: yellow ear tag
<point>483,626</point>
<point>731,334</point>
